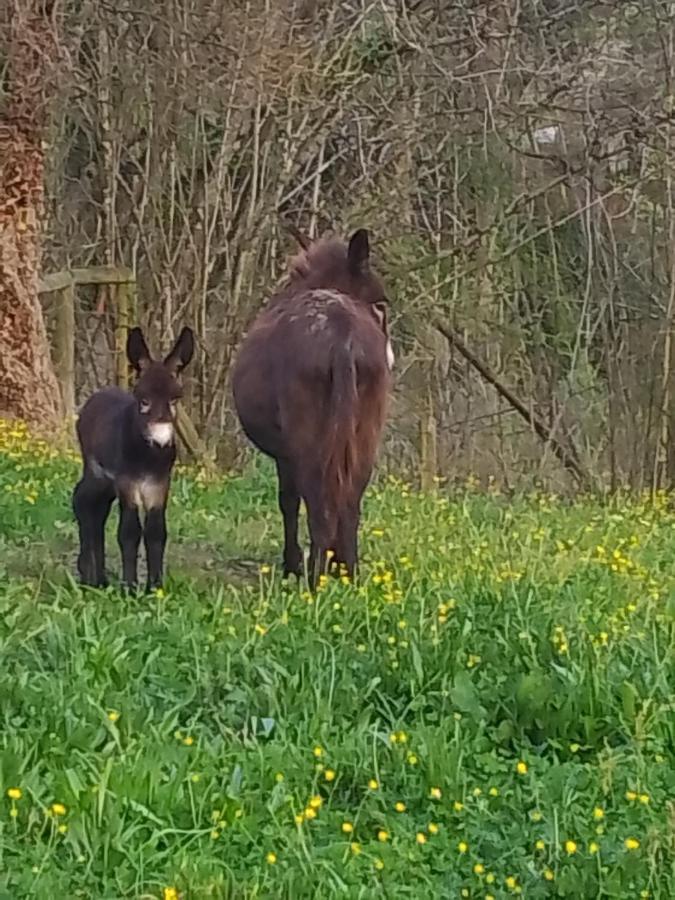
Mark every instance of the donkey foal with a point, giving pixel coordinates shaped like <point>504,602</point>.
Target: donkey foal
<point>128,450</point>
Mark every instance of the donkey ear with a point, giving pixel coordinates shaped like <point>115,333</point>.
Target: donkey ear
<point>137,350</point>
<point>358,253</point>
<point>182,351</point>
<point>299,236</point>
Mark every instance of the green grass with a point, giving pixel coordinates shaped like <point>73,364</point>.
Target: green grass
<point>180,732</point>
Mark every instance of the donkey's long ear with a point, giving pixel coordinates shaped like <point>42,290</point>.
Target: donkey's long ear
<point>358,253</point>
<point>137,350</point>
<point>299,236</point>
<point>182,351</point>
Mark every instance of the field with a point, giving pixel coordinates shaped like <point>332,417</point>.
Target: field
<point>488,714</point>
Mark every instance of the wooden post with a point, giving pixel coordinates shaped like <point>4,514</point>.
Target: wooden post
<point>428,446</point>
<point>64,347</point>
<point>121,294</point>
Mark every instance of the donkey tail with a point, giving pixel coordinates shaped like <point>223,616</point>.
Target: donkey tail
<point>340,450</point>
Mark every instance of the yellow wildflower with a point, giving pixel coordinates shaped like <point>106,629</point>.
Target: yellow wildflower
<point>399,807</point>
<point>382,836</point>
<point>435,793</point>
<point>420,837</point>
<point>598,813</point>
<point>479,869</point>
<point>329,775</point>
<point>373,785</point>
<point>271,858</point>
<point>347,827</point>
<point>432,828</point>
<point>14,793</point>
<point>548,874</point>
<point>58,809</point>
<point>355,847</point>
<point>631,843</point>
<point>571,847</point>
<point>521,767</point>
<point>462,847</point>
<point>593,847</point>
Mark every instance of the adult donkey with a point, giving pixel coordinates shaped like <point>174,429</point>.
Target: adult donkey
<point>310,385</point>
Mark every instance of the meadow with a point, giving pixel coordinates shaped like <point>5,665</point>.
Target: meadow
<point>488,713</point>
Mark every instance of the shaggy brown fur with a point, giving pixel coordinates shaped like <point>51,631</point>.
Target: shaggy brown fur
<point>310,385</point>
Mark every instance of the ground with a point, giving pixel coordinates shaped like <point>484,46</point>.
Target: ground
<point>489,713</point>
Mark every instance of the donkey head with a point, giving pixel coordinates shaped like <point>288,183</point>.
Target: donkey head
<point>337,265</point>
<point>157,390</point>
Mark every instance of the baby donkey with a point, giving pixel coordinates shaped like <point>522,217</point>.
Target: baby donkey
<point>128,450</point>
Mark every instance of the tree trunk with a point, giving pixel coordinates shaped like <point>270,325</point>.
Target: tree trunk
<point>28,385</point>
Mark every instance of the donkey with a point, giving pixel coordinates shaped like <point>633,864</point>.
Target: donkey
<point>310,384</point>
<point>128,450</point>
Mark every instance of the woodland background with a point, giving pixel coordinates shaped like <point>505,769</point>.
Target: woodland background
<point>512,159</point>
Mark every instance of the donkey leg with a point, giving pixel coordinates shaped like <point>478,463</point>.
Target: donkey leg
<point>347,550</point>
<point>154,536</point>
<point>91,504</point>
<point>129,537</point>
<point>320,535</point>
<point>346,554</point>
<point>289,504</point>
<point>101,517</point>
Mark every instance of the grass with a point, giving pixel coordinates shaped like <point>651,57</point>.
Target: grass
<point>489,714</point>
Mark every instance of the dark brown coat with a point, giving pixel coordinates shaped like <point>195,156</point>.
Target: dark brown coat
<point>128,449</point>
<point>310,385</point>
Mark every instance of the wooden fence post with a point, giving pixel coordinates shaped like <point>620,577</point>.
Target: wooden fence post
<point>428,446</point>
<point>65,348</point>
<point>121,295</point>
<point>63,287</point>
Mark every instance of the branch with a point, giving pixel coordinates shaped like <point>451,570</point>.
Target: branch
<point>567,456</point>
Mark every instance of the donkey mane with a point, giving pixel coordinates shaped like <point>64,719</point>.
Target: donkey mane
<point>323,258</point>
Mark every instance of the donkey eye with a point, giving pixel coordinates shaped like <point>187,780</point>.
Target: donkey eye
<point>145,406</point>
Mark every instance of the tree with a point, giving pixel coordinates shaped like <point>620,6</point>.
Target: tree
<point>28,386</point>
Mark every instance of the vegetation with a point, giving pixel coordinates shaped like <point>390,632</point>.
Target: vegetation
<point>487,714</point>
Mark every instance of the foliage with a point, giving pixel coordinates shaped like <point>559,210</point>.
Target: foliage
<point>487,714</point>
